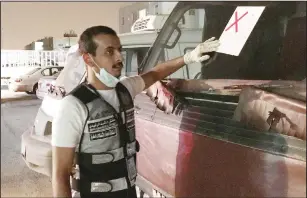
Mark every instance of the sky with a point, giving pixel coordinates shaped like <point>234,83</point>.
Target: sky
<point>25,22</point>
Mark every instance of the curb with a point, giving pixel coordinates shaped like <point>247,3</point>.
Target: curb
<point>4,100</point>
<point>21,103</point>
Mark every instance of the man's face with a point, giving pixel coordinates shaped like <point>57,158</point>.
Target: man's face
<point>108,54</point>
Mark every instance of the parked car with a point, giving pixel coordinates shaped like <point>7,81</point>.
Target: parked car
<point>45,84</point>
<point>28,82</point>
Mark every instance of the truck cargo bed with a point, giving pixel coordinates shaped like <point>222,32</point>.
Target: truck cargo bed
<point>204,152</point>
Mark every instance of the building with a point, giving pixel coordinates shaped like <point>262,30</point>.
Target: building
<point>51,43</point>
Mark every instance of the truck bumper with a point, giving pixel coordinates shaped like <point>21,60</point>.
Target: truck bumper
<point>36,153</point>
<point>40,94</point>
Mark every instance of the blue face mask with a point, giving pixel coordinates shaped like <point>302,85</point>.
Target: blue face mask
<point>105,77</point>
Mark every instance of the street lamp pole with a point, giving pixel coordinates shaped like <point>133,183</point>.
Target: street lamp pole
<point>69,34</point>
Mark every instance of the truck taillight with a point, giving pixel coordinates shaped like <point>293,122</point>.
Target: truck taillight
<point>18,80</point>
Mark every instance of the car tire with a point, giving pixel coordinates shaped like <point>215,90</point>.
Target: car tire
<point>35,87</point>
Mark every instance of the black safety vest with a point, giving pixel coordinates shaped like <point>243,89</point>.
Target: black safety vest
<point>106,155</point>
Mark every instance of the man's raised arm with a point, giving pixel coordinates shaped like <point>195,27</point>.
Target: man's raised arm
<point>164,69</point>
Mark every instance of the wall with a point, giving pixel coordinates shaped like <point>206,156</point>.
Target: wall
<point>25,22</point>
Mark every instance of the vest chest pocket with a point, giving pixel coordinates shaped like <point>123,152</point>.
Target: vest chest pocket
<point>101,128</point>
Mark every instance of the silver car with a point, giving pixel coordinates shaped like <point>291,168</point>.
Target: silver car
<point>28,82</point>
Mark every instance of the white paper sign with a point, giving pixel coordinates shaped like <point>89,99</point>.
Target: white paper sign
<point>238,29</point>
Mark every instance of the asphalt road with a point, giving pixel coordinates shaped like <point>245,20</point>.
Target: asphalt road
<point>17,180</point>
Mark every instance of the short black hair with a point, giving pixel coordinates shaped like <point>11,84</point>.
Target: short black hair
<point>86,42</point>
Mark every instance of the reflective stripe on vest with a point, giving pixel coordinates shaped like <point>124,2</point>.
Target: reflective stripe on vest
<point>110,186</point>
<point>114,155</point>
<point>107,149</point>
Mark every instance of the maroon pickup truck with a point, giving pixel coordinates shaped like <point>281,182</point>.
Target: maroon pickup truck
<point>238,127</point>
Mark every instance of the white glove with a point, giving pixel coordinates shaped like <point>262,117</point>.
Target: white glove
<point>196,56</point>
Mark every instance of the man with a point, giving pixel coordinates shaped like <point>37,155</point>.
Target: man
<point>93,130</point>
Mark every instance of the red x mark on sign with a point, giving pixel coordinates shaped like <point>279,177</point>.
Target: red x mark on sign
<point>236,21</point>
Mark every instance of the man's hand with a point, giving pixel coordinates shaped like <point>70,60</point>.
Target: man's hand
<point>165,98</point>
<point>199,53</point>
<point>162,97</point>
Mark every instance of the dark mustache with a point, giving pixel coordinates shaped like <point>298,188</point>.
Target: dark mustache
<point>118,65</point>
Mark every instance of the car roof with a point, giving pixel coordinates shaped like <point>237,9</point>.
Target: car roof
<point>52,67</point>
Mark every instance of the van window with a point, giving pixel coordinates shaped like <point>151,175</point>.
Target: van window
<point>191,26</point>
<point>276,48</point>
<point>137,55</point>
<point>124,55</point>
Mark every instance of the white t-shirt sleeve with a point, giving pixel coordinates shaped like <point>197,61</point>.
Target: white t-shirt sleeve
<point>67,125</point>
<point>134,84</point>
